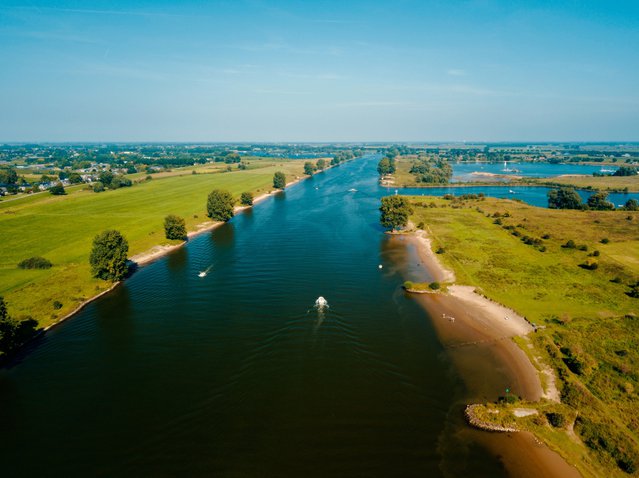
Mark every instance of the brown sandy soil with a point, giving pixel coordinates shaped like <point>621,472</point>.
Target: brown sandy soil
<point>479,343</point>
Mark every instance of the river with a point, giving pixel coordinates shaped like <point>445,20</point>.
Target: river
<point>236,373</point>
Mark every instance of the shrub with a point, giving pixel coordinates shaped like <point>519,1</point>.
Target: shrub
<point>174,227</point>
<point>435,285</point>
<point>57,305</point>
<point>440,250</point>
<point>582,247</point>
<point>98,187</point>
<point>569,245</point>
<point>557,420</point>
<point>408,285</point>
<point>605,240</point>
<point>57,190</point>
<point>246,199</point>
<point>420,225</point>
<point>35,262</point>
<point>589,264</point>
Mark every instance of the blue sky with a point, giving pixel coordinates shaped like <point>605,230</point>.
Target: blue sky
<point>254,70</point>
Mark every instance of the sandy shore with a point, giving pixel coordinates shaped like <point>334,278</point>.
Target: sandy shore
<point>478,341</point>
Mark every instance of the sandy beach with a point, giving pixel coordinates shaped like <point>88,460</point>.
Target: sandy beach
<point>477,333</point>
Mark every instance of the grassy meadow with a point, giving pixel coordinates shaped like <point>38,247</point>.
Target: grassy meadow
<point>62,228</point>
<point>605,183</point>
<point>513,254</point>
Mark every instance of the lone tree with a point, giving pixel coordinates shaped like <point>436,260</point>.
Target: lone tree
<point>57,190</point>
<point>279,180</point>
<point>246,199</point>
<point>174,227</point>
<point>108,256</point>
<point>321,164</point>
<point>564,198</point>
<point>309,168</point>
<point>219,205</point>
<point>599,201</point>
<point>395,211</point>
<point>631,205</point>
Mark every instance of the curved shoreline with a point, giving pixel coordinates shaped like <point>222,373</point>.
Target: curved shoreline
<point>479,343</point>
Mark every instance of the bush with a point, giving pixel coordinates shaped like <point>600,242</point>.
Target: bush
<point>174,227</point>
<point>57,305</point>
<point>590,265</point>
<point>246,199</point>
<point>98,187</point>
<point>569,245</point>
<point>582,247</point>
<point>605,240</point>
<point>108,256</point>
<point>35,262</point>
<point>440,250</point>
<point>57,190</point>
<point>435,285</point>
<point>408,285</point>
<point>420,225</point>
<point>219,205</point>
<point>557,420</point>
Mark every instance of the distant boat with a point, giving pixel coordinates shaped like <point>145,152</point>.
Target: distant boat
<point>511,191</point>
<point>606,170</point>
<point>202,274</point>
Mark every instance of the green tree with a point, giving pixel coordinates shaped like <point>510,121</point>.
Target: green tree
<point>219,205</point>
<point>626,171</point>
<point>8,176</point>
<point>321,164</point>
<point>108,256</point>
<point>75,178</point>
<point>631,205</point>
<point>395,211</point>
<point>599,201</point>
<point>13,333</point>
<point>174,227</point>
<point>98,187</point>
<point>57,190</point>
<point>564,198</point>
<point>279,180</point>
<point>386,166</point>
<point>309,168</point>
<point>246,199</point>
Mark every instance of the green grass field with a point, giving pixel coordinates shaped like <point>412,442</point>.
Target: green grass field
<point>607,183</point>
<point>62,228</point>
<point>590,333</point>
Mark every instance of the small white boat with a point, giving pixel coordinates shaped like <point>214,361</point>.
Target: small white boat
<point>352,190</point>
<point>321,302</point>
<point>202,274</point>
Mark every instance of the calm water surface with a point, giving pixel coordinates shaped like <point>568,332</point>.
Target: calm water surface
<point>235,373</point>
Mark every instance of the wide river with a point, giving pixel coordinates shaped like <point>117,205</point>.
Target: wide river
<point>235,373</point>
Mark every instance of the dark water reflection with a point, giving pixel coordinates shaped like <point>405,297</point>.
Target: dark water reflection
<point>235,373</point>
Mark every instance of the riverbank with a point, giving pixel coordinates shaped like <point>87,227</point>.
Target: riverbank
<point>477,333</point>
<point>151,255</point>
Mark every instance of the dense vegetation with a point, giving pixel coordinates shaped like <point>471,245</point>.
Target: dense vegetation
<point>13,333</point>
<point>35,262</point>
<point>246,198</point>
<point>431,171</point>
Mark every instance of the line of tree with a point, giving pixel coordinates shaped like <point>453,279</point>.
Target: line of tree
<point>432,170</point>
<point>569,198</point>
